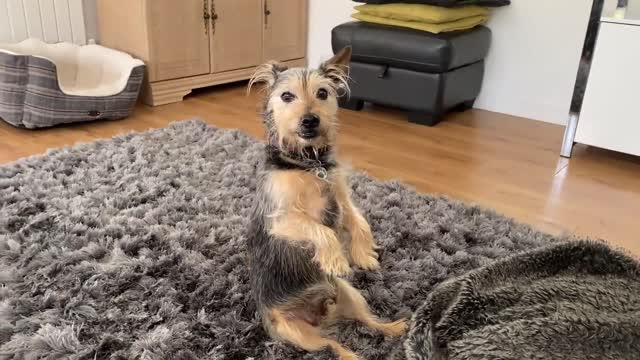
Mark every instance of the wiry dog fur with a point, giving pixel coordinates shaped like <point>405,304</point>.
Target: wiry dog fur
<point>306,231</point>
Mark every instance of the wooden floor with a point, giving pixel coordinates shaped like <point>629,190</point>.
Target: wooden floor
<point>501,162</point>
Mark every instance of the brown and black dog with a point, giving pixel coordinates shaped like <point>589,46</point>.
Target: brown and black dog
<point>305,231</point>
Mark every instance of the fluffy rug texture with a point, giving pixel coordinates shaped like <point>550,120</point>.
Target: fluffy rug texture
<point>572,301</point>
<point>135,248</point>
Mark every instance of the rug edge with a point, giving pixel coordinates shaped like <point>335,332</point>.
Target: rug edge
<point>177,124</point>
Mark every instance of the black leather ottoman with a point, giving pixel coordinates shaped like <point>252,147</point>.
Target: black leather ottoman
<point>427,74</point>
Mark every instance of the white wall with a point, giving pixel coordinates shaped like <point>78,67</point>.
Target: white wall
<point>534,56</point>
<point>532,66</point>
<point>50,20</point>
<point>633,10</point>
<point>91,19</point>
<point>324,15</point>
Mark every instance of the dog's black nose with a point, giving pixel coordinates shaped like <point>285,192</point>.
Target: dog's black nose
<point>310,121</point>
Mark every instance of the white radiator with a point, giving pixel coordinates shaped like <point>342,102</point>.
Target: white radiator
<point>50,20</point>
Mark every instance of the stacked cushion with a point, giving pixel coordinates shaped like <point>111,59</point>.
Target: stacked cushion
<point>429,18</point>
<point>422,13</point>
<point>445,3</point>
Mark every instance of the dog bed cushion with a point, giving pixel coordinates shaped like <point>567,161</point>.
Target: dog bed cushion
<point>462,24</point>
<point>422,13</point>
<point>47,84</point>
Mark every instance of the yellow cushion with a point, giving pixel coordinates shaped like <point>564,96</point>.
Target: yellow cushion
<point>422,13</point>
<point>461,24</point>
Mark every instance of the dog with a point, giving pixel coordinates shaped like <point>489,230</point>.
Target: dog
<point>305,231</point>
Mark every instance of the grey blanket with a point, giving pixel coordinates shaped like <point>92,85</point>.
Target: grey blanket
<point>578,300</point>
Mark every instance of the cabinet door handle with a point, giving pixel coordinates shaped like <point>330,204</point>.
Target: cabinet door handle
<point>214,17</point>
<point>267,12</point>
<point>206,16</point>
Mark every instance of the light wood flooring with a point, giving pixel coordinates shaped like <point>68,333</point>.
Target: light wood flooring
<point>502,162</point>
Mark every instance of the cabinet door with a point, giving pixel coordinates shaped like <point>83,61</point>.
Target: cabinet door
<point>285,35</point>
<point>609,117</point>
<point>236,34</point>
<point>178,39</point>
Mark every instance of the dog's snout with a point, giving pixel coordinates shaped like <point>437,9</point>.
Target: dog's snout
<point>310,121</point>
<point>309,126</point>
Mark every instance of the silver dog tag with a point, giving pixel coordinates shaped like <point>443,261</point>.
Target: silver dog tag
<point>321,173</point>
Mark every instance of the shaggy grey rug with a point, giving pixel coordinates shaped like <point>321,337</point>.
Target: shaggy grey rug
<point>571,301</point>
<point>134,248</point>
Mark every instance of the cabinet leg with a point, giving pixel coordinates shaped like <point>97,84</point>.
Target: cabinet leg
<point>155,96</point>
<point>425,118</point>
<point>350,103</point>
<point>569,136</point>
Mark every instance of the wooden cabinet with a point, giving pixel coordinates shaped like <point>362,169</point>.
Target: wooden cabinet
<point>236,40</point>
<point>285,34</point>
<point>178,43</point>
<point>189,44</point>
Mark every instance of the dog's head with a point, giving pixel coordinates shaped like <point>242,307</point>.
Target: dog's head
<point>301,106</point>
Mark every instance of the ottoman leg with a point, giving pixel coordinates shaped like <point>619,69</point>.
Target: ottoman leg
<point>467,105</point>
<point>424,118</point>
<point>350,103</point>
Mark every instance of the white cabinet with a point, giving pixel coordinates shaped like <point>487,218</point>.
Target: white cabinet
<point>610,116</point>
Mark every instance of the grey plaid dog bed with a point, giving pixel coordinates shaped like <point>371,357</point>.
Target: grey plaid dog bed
<point>42,85</point>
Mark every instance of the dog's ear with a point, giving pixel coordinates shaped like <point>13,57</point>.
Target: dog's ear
<point>266,74</point>
<point>342,58</point>
<point>337,68</point>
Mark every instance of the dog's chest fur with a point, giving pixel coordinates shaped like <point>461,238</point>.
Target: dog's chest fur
<point>302,191</point>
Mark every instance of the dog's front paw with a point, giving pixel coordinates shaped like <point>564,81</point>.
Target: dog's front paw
<point>363,248</point>
<point>396,328</point>
<point>348,355</point>
<point>365,257</point>
<point>333,263</point>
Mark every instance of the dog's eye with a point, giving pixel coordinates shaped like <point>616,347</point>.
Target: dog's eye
<point>287,97</point>
<point>322,94</point>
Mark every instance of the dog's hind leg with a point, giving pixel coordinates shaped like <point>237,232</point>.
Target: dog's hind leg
<point>304,335</point>
<point>350,304</point>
